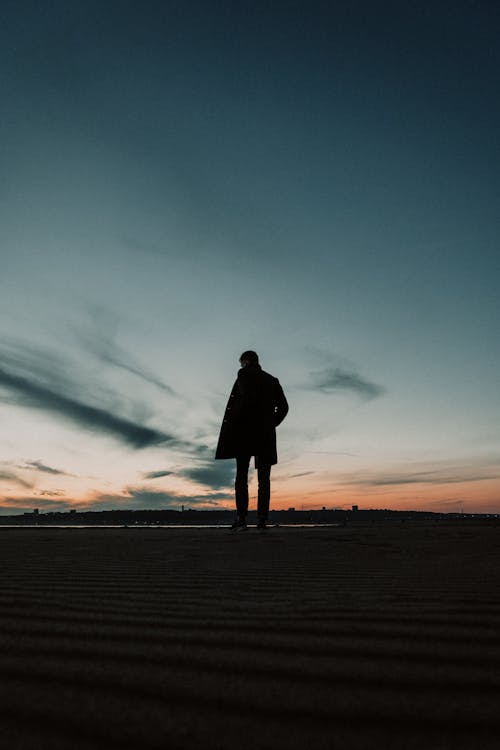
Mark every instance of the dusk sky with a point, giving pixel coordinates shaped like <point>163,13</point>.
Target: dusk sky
<point>181,181</point>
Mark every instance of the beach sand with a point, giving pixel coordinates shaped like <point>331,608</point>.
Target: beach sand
<point>364,637</point>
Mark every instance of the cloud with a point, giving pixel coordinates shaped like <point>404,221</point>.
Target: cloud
<point>157,474</point>
<point>338,374</point>
<point>204,451</point>
<point>39,466</point>
<point>91,417</point>
<point>423,477</point>
<point>138,497</point>
<point>36,378</point>
<point>142,498</point>
<point>204,470</point>
<point>9,476</point>
<point>217,476</point>
<point>338,380</point>
<point>102,344</point>
<point>390,480</point>
<point>333,453</point>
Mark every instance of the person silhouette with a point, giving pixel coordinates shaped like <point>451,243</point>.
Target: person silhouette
<point>256,406</point>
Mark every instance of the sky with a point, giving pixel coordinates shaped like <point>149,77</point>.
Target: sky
<point>182,181</point>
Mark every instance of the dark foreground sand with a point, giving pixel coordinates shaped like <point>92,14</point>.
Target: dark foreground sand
<point>384,637</point>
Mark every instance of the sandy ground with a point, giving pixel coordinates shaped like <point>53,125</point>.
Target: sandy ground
<point>377,637</point>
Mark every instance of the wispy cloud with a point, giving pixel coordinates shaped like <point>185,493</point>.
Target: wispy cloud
<point>443,476</point>
<point>39,466</point>
<point>10,476</point>
<point>389,480</point>
<point>90,417</point>
<point>157,474</point>
<point>101,343</point>
<point>333,453</point>
<point>339,380</point>
<point>336,374</point>
<point>38,379</point>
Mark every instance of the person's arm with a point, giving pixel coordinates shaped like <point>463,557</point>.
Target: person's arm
<point>280,404</point>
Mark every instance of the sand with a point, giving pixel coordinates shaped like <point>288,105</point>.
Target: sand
<point>376,637</point>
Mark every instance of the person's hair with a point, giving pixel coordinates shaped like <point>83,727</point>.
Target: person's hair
<point>251,357</point>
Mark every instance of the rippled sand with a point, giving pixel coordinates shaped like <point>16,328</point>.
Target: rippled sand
<point>297,638</point>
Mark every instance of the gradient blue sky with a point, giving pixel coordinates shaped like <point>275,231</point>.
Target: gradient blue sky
<point>182,181</point>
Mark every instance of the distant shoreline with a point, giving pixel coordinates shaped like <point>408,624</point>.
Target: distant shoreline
<point>223,519</point>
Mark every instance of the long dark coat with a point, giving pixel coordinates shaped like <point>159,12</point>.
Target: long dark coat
<point>256,406</point>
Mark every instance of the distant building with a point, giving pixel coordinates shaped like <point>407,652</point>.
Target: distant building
<point>291,509</point>
<point>35,511</point>
<point>355,508</point>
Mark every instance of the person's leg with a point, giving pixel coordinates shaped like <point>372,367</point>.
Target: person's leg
<point>264,494</point>
<point>241,486</point>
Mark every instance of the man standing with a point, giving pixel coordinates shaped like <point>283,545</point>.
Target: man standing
<point>256,406</point>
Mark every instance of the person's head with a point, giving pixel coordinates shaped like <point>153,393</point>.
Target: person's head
<point>249,358</point>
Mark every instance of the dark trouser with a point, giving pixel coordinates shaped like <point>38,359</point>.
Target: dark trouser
<point>241,487</point>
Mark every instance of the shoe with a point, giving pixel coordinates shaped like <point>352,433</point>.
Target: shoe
<point>262,524</point>
<point>239,526</point>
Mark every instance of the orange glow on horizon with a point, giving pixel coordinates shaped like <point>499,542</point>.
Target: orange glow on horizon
<point>480,496</point>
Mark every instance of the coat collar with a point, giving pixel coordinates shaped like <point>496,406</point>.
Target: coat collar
<point>249,371</point>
